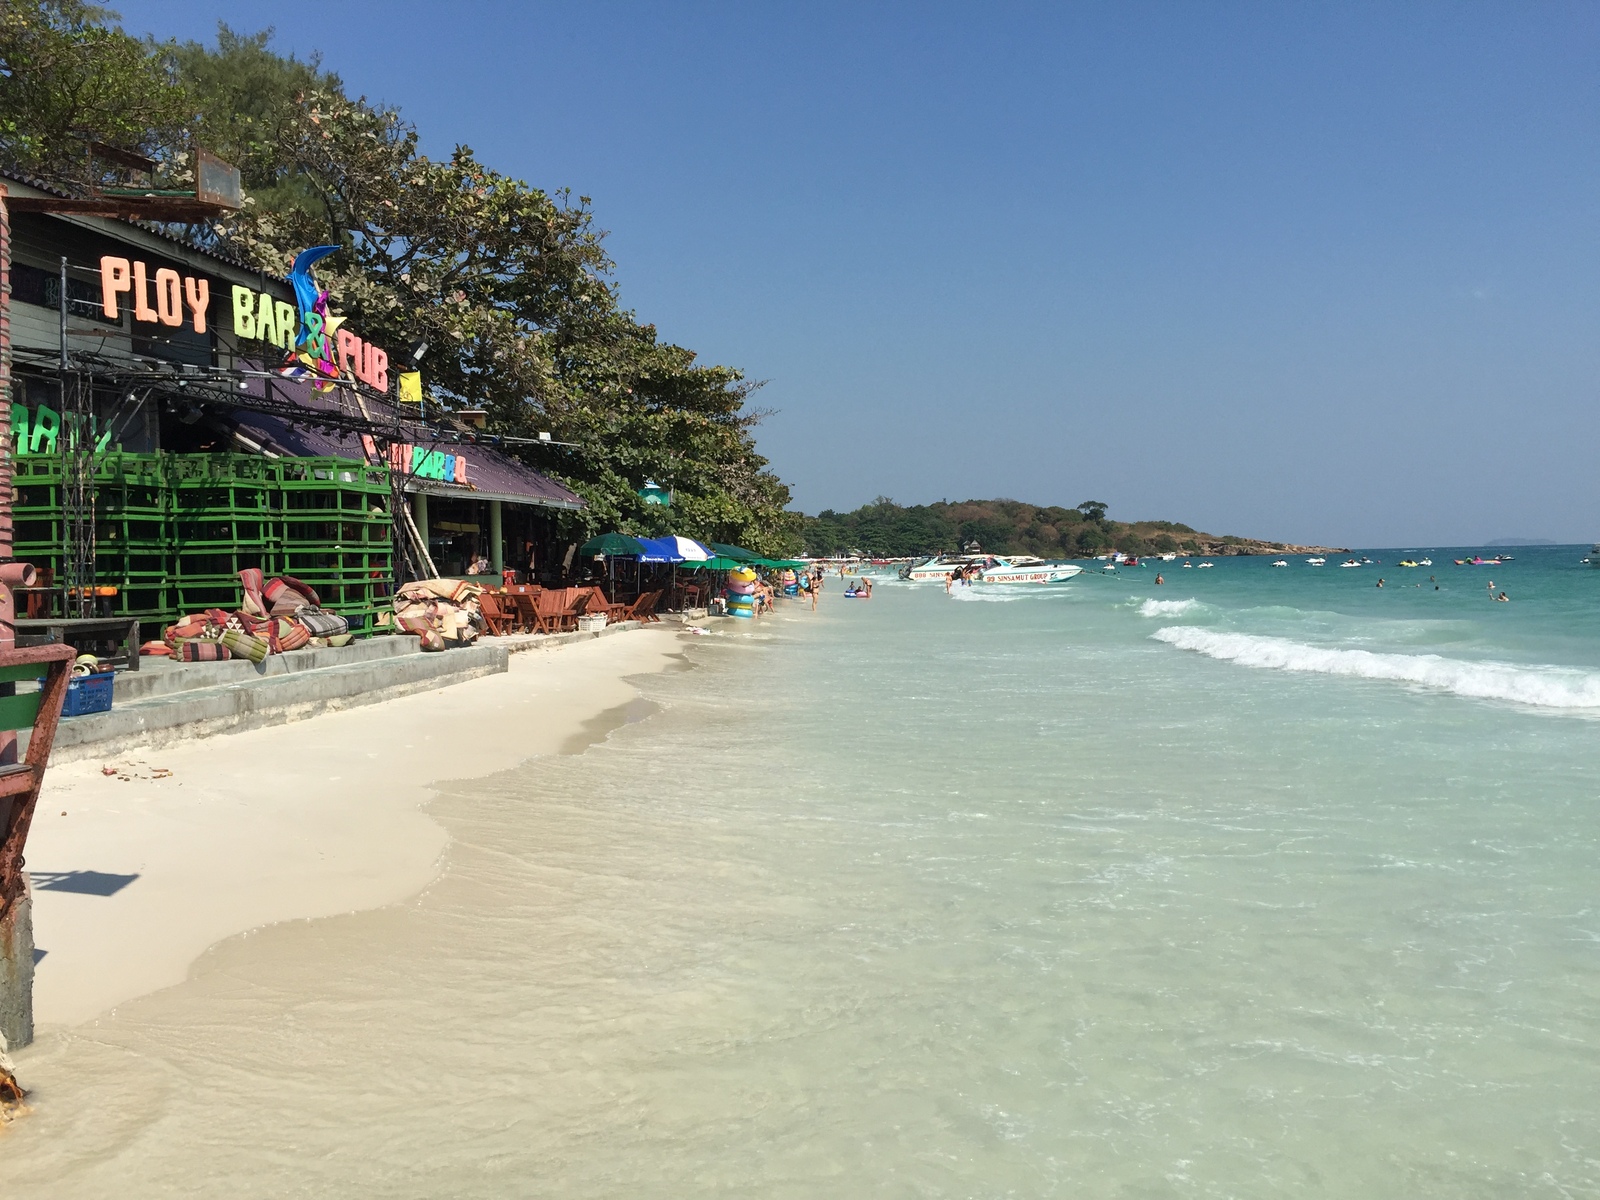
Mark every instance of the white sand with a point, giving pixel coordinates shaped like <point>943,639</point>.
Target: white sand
<point>296,821</point>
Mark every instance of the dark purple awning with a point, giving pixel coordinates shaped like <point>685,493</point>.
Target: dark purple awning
<point>491,475</point>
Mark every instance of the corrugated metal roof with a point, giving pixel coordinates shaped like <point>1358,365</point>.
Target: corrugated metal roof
<point>51,189</point>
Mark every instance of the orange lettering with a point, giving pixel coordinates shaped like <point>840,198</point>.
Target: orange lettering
<point>169,297</point>
<point>114,277</point>
<point>141,295</point>
<point>198,293</point>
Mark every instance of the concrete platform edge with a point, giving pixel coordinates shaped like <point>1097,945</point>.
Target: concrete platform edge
<point>297,696</point>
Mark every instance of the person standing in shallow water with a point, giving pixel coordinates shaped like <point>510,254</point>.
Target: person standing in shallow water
<point>1159,580</point>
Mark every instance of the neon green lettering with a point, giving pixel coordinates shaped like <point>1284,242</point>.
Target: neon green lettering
<point>244,317</point>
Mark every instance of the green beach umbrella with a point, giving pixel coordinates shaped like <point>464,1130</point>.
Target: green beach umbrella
<point>611,545</point>
<point>737,553</point>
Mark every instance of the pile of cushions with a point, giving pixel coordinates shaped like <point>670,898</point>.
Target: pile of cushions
<point>443,613</point>
<point>277,615</point>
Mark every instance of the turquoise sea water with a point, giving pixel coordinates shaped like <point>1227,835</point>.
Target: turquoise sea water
<point>1264,882</point>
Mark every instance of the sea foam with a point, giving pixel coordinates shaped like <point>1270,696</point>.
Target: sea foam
<point>1543,687</point>
<point>1167,608</point>
<point>982,593</point>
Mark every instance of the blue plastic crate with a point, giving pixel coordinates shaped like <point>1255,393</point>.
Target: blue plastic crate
<point>88,694</point>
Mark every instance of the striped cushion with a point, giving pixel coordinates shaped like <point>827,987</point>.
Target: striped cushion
<point>305,589</point>
<point>252,581</point>
<point>322,624</point>
<point>203,650</point>
<point>246,645</point>
<point>291,635</point>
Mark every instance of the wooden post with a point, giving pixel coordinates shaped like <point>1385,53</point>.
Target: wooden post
<point>497,546</point>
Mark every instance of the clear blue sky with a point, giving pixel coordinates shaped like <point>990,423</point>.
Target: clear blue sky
<point>1320,272</point>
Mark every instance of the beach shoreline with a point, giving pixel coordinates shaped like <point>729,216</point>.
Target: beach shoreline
<point>138,872</point>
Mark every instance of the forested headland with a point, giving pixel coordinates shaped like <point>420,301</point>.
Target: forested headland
<point>884,529</point>
<point>509,283</point>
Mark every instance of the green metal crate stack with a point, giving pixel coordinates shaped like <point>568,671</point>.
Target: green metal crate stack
<point>173,531</point>
<point>224,520</point>
<point>36,510</point>
<point>132,543</point>
<point>336,533</point>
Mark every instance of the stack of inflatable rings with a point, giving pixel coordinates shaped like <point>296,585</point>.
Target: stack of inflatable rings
<point>741,592</point>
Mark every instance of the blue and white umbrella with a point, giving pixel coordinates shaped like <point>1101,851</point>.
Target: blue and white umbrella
<point>674,550</point>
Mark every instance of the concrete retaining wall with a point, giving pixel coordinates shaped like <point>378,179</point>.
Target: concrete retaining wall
<point>167,701</point>
<point>267,700</point>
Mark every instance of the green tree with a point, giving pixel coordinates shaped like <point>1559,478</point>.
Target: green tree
<point>71,78</point>
<point>246,99</point>
<point>509,285</point>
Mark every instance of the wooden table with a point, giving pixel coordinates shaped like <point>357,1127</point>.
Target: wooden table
<point>46,631</point>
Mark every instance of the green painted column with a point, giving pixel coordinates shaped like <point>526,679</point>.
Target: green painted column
<point>497,547</point>
<point>419,511</point>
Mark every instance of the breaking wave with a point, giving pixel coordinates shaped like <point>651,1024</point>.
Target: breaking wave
<point>1167,608</point>
<point>1543,687</point>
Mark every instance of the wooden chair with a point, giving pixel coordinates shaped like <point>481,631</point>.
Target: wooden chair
<point>576,604</point>
<point>19,782</point>
<point>599,604</point>
<point>548,607</point>
<point>523,600</point>
<point>644,608</point>
<point>500,620</point>
<point>40,595</point>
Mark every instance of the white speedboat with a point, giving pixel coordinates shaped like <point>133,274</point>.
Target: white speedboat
<point>1424,562</point>
<point>1349,562</point>
<point>941,566</point>
<point>1282,562</point>
<point>1026,569</point>
<point>1316,562</point>
<point>1203,566</point>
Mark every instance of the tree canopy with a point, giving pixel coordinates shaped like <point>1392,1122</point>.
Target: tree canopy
<point>72,79</point>
<point>509,284</point>
<point>885,529</point>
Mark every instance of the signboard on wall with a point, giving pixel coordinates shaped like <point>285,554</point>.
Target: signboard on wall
<point>38,431</point>
<point>161,295</point>
<point>314,340</point>
<point>418,461</point>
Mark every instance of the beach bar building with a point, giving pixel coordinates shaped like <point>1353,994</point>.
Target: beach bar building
<point>163,440</point>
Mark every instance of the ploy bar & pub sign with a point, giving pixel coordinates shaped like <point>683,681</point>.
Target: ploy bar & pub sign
<point>256,315</point>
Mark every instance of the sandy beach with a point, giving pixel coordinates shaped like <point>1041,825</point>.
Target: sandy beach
<point>137,872</point>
